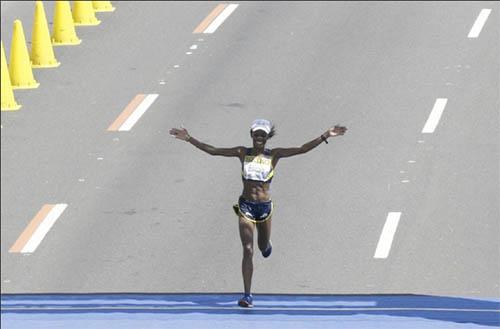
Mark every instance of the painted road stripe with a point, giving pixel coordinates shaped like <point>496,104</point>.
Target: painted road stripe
<point>221,18</point>
<point>479,23</point>
<point>215,19</point>
<point>435,115</point>
<point>39,226</point>
<point>385,241</point>
<point>139,111</point>
<point>126,112</point>
<point>206,22</point>
<point>131,114</point>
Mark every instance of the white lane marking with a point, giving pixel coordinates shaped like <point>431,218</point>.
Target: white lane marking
<point>435,115</point>
<point>479,23</point>
<point>44,228</point>
<point>221,18</point>
<point>193,47</point>
<point>139,111</point>
<point>385,241</point>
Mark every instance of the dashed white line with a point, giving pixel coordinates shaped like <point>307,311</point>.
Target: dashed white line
<point>435,115</point>
<point>479,23</point>
<point>385,241</point>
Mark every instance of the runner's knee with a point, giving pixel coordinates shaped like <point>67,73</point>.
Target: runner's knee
<point>248,250</point>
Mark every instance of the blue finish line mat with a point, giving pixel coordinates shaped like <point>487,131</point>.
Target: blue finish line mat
<point>122,310</point>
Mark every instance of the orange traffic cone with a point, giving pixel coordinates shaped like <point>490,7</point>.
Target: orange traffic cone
<point>83,13</point>
<point>42,53</point>
<point>21,74</point>
<point>64,29</point>
<point>7,96</point>
<point>102,6</point>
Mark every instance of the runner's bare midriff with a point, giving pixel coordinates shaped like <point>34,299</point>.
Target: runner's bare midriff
<point>256,191</point>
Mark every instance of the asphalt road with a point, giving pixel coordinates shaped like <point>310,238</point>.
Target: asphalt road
<point>148,213</point>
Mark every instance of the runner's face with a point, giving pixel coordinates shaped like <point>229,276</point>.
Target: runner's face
<point>259,137</point>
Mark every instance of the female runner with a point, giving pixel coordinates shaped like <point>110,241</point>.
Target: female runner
<point>255,208</point>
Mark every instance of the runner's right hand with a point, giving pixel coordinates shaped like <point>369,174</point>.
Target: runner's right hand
<point>180,133</point>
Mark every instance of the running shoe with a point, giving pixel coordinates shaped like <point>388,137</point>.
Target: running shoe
<point>267,252</point>
<point>246,301</point>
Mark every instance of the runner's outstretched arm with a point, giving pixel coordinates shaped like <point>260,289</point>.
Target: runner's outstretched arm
<point>288,152</point>
<point>183,134</point>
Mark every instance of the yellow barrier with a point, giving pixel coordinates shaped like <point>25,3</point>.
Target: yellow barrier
<point>83,14</point>
<point>42,53</point>
<point>18,74</point>
<point>64,29</point>
<point>8,101</point>
<point>21,73</point>
<point>102,6</point>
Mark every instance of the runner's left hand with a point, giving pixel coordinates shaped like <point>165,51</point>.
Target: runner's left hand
<point>337,131</point>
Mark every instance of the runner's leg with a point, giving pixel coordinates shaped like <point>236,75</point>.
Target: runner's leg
<point>264,234</point>
<point>246,235</point>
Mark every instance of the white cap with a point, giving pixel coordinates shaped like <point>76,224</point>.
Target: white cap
<point>262,124</point>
